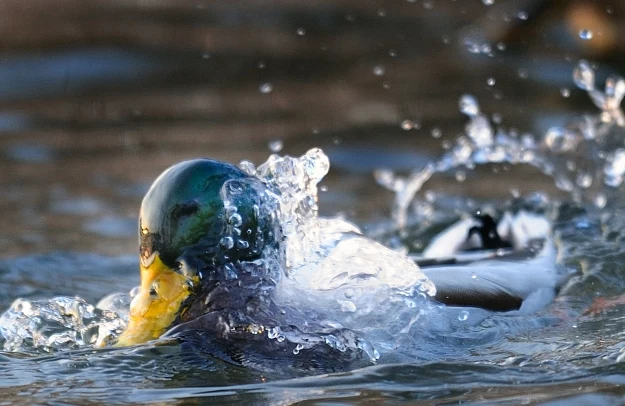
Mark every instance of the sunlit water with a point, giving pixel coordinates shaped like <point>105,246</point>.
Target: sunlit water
<point>415,349</point>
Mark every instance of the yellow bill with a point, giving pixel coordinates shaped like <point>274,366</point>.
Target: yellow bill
<point>157,304</point>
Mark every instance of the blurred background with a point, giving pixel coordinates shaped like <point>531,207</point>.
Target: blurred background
<point>97,97</point>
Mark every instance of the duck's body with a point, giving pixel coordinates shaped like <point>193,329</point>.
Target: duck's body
<point>209,269</point>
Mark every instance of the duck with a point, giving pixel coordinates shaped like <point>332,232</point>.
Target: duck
<point>204,239</point>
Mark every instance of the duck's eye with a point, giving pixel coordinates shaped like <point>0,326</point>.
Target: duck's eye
<point>154,291</point>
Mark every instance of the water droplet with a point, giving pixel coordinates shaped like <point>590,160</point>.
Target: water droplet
<point>273,333</point>
<point>600,200</point>
<point>392,53</point>
<point>261,65</point>
<point>501,46</point>
<point>227,242</point>
<point>490,81</point>
<point>242,244</point>
<point>247,167</point>
<point>406,125</point>
<point>381,12</point>
<point>437,132</point>
<point>522,15</point>
<point>323,188</point>
<point>347,306</point>
<point>301,32</point>
<point>298,348</point>
<point>266,88</point>
<point>468,105</point>
<point>585,34</point>
<point>488,2</point>
<point>276,146</point>
<point>378,70</point>
<point>560,139</point>
<point>473,275</point>
<point>584,180</point>
<point>235,219</point>
<point>565,92</point>
<point>523,73</point>
<point>463,315</point>
<point>206,55</point>
<point>584,76</point>
<point>461,176</point>
<point>614,169</point>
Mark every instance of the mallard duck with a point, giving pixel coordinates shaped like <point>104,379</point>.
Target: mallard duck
<point>202,237</point>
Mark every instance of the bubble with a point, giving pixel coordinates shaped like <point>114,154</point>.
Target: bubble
<point>585,34</point>
<point>266,88</point>
<point>463,315</point>
<point>379,70</point>
<point>276,146</point>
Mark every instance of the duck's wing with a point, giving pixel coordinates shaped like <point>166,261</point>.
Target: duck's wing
<point>523,277</point>
<point>522,280</point>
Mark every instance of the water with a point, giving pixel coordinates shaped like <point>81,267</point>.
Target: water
<point>375,88</point>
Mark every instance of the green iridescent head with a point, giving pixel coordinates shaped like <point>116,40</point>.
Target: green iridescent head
<point>196,214</point>
<point>204,209</point>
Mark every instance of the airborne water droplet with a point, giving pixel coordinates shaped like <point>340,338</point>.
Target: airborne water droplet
<point>276,146</point>
<point>584,76</point>
<point>266,88</point>
<point>378,70</point>
<point>468,105</point>
<point>585,34</point>
<point>407,125</point>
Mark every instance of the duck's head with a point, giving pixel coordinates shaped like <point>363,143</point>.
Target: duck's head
<point>196,216</point>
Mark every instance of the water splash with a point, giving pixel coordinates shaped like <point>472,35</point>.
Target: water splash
<point>57,324</point>
<point>572,155</point>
